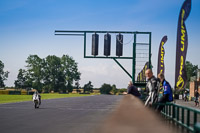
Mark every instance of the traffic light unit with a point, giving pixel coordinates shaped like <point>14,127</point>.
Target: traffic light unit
<point>119,45</point>
<point>107,44</point>
<point>95,44</point>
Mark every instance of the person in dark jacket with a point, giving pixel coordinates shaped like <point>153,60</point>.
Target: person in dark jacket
<point>133,90</point>
<point>196,94</point>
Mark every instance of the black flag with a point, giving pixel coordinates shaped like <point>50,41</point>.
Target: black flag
<point>161,53</point>
<point>146,66</point>
<point>181,46</point>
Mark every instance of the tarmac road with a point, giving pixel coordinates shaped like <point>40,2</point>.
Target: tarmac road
<point>66,115</point>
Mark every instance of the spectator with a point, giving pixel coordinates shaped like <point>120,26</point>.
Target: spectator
<point>133,90</point>
<point>152,88</point>
<point>196,98</point>
<point>186,96</point>
<point>167,94</point>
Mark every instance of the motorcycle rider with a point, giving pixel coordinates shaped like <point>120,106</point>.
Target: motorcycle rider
<point>39,96</point>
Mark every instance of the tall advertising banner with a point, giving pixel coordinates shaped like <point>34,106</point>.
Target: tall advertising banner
<point>181,46</point>
<point>161,53</point>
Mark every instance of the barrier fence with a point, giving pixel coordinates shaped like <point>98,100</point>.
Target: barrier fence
<point>13,92</point>
<point>188,118</point>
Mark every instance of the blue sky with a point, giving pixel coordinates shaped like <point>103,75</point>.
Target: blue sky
<point>27,27</point>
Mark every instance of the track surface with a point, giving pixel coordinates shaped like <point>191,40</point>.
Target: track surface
<point>66,115</point>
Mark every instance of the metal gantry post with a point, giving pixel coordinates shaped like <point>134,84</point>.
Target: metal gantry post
<point>122,68</point>
<point>84,44</point>
<point>150,66</point>
<point>134,57</point>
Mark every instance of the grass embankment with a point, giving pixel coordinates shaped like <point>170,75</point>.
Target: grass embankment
<point>22,98</point>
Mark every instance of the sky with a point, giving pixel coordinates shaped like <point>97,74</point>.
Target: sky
<point>27,28</point>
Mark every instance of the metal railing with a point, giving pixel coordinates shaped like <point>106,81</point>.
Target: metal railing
<point>188,118</point>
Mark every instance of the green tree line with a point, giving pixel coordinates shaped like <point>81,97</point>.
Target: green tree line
<point>3,74</point>
<point>48,74</point>
<point>191,70</point>
<point>59,73</point>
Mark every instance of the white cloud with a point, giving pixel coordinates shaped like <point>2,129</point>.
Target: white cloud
<point>99,69</point>
<point>101,73</point>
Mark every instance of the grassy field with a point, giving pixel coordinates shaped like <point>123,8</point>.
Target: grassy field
<point>21,98</point>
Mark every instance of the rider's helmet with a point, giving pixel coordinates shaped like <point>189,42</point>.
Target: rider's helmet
<point>36,92</point>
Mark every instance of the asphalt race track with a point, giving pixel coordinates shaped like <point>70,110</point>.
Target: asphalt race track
<point>66,115</point>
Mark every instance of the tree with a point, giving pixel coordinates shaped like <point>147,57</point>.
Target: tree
<point>77,86</point>
<point>3,74</point>
<point>60,73</point>
<point>88,87</point>
<point>114,89</point>
<point>53,74</point>
<point>50,74</point>
<point>20,82</point>
<point>105,89</point>
<point>69,88</point>
<point>70,68</point>
<point>35,71</point>
<point>191,70</point>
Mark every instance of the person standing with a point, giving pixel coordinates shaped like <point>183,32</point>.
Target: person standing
<point>196,94</point>
<point>152,88</point>
<point>186,96</point>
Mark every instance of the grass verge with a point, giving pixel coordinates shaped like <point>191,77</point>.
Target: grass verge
<point>22,98</point>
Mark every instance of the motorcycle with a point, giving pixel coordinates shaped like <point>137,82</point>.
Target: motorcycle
<point>36,100</point>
